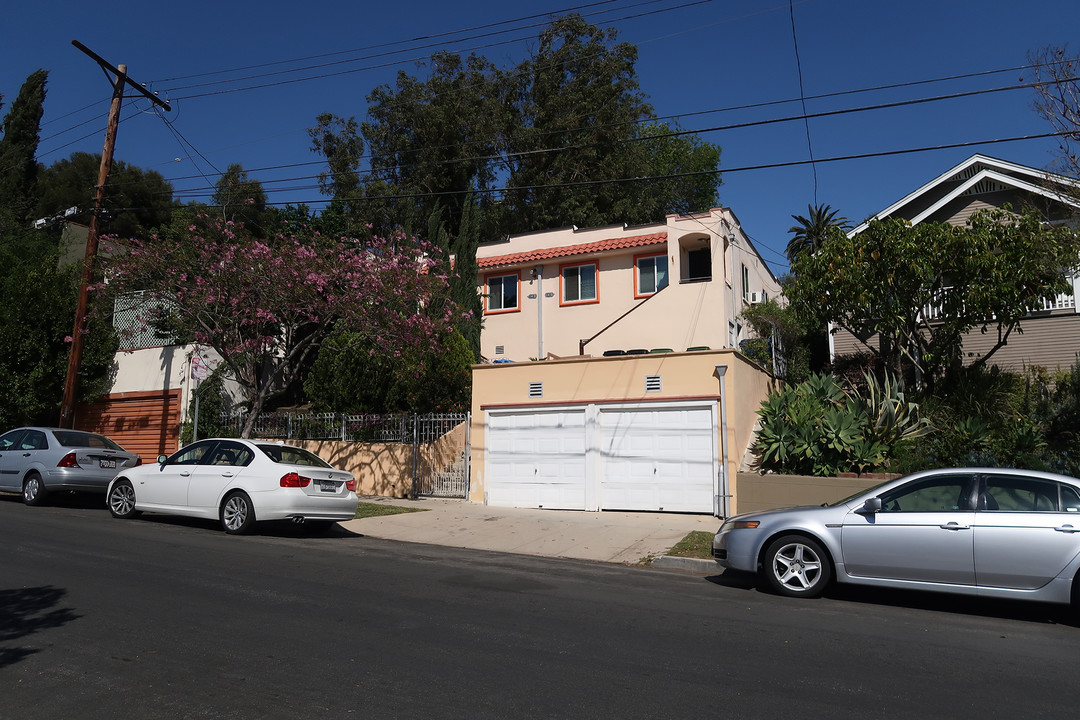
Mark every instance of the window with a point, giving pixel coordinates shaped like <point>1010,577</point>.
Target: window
<point>192,454</point>
<point>938,494</point>
<point>502,294</point>
<point>1022,494</point>
<point>699,265</point>
<point>578,284</point>
<point>651,274</point>
<point>745,283</point>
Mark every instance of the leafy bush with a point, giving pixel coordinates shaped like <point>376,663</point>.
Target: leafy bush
<point>819,428</point>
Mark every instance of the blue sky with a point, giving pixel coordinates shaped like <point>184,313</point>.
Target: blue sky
<point>694,57</point>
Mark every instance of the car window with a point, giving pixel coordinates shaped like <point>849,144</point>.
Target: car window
<point>228,453</point>
<point>288,455</point>
<point>34,440</point>
<point>70,438</point>
<point>192,454</point>
<point>1014,493</point>
<point>1070,498</point>
<point>949,493</point>
<point>10,440</point>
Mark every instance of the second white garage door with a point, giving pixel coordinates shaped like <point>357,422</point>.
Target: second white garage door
<point>655,457</point>
<point>661,459</point>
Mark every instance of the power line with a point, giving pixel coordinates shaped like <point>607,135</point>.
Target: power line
<point>802,96</point>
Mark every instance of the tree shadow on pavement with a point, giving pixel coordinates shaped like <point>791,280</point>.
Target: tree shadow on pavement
<point>26,611</point>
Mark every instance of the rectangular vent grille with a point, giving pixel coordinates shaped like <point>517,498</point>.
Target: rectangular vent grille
<point>500,350</point>
<point>536,389</point>
<point>652,383</point>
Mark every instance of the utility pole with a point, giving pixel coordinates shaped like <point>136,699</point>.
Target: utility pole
<point>118,80</point>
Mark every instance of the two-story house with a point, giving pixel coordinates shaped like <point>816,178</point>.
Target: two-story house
<point>672,286</point>
<point>1051,333</point>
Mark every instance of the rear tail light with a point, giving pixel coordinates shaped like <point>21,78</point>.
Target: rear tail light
<point>294,480</point>
<point>68,461</point>
<point>350,485</point>
<point>138,460</point>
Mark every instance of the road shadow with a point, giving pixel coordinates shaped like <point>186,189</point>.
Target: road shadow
<point>1036,612</point>
<point>270,528</point>
<point>26,611</point>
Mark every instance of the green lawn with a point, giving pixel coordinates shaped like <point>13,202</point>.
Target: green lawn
<point>697,544</point>
<point>366,510</point>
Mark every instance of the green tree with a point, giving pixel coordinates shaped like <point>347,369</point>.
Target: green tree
<point>922,287</point>
<point>18,148</point>
<point>338,140</point>
<point>37,306</point>
<point>814,230</point>
<point>242,200</point>
<point>136,201</point>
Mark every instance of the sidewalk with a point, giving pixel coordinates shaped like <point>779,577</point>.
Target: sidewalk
<point>616,537</point>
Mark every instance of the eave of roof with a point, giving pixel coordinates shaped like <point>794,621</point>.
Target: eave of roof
<point>572,250</point>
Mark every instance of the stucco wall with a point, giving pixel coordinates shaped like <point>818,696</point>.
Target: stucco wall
<point>768,492</point>
<point>387,469</point>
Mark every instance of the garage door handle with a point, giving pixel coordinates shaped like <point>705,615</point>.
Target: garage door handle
<point>955,526</point>
<point>1067,529</point>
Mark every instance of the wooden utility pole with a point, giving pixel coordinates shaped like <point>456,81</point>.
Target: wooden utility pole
<point>118,81</point>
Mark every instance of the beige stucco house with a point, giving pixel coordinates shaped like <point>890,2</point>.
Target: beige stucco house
<point>655,432</point>
<point>1051,333</point>
<point>674,285</point>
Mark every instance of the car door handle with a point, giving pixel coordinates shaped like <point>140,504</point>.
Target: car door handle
<point>955,526</point>
<point>226,474</point>
<point>26,454</point>
<point>185,473</point>
<point>1067,529</point>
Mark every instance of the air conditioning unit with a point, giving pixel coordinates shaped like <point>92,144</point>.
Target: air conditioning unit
<point>756,298</point>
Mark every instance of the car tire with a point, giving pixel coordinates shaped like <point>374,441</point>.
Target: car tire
<point>797,566</point>
<point>34,492</point>
<point>237,514</point>
<point>121,500</point>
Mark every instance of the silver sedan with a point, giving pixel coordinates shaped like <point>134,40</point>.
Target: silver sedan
<point>976,531</point>
<point>35,461</point>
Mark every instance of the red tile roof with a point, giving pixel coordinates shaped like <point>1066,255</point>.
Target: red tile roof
<point>569,250</point>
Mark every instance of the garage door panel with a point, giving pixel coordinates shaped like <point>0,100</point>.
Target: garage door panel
<point>536,459</point>
<point>659,459</point>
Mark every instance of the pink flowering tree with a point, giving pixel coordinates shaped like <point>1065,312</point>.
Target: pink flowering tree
<point>266,306</point>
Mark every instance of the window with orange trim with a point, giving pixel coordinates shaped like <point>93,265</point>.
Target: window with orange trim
<point>502,293</point>
<point>578,283</point>
<point>650,274</point>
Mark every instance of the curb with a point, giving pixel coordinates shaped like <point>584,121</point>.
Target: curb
<point>672,562</point>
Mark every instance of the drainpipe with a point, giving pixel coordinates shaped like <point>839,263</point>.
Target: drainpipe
<point>538,273</point>
<point>720,504</point>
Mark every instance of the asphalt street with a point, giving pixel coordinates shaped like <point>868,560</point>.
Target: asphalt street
<point>171,618</point>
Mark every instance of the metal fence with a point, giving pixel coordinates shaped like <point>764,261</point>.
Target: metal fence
<point>440,442</point>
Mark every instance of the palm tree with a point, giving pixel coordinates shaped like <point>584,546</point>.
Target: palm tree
<point>812,232</point>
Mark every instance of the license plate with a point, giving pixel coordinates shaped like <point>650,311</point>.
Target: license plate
<point>328,486</point>
<point>107,464</point>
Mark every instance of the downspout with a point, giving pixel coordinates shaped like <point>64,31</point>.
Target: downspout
<point>538,271</point>
<point>721,503</point>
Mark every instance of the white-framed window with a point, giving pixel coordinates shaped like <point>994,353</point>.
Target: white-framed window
<point>745,283</point>
<point>578,283</point>
<point>502,293</point>
<point>650,275</point>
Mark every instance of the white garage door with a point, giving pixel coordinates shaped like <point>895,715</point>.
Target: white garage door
<point>536,459</point>
<point>658,459</point>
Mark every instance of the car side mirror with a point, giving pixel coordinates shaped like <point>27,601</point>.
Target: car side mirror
<point>161,459</point>
<point>871,506</point>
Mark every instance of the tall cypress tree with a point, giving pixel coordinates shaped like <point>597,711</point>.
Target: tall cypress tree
<point>18,148</point>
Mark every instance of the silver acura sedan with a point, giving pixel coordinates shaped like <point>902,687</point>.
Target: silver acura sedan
<point>976,531</point>
<point>35,461</point>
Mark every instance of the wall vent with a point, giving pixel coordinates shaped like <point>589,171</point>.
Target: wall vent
<point>652,383</point>
<point>500,350</point>
<point>536,389</point>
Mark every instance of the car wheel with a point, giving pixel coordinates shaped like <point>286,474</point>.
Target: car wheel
<point>237,514</point>
<point>122,500</point>
<point>797,566</point>
<point>34,492</point>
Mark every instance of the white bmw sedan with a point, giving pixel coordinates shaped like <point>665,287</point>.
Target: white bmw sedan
<point>238,482</point>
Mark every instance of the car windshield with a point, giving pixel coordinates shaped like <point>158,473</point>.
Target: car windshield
<point>288,455</point>
<point>849,498</point>
<point>70,438</point>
